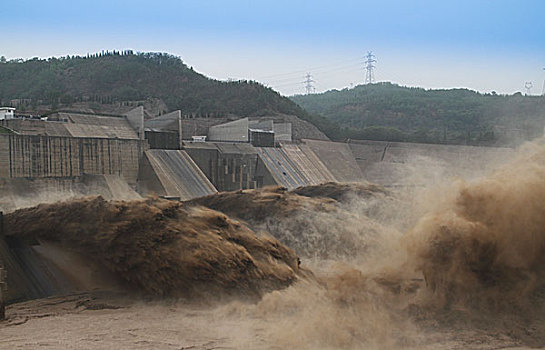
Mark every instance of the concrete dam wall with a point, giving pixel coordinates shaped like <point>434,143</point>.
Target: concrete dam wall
<point>228,166</point>
<point>24,192</point>
<point>172,173</point>
<point>293,165</point>
<point>338,158</point>
<point>30,156</point>
<point>407,164</point>
<point>35,169</point>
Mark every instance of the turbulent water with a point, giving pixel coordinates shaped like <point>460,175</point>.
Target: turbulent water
<point>160,247</point>
<point>455,265</point>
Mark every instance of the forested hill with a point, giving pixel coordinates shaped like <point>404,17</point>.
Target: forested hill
<point>111,81</point>
<point>387,111</point>
<point>115,77</point>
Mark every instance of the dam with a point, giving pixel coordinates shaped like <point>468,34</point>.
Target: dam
<point>72,155</point>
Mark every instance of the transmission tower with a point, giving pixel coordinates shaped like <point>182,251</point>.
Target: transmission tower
<point>309,88</point>
<point>528,86</point>
<point>370,59</point>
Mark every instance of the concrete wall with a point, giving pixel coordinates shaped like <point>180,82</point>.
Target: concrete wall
<point>135,117</point>
<point>199,126</point>
<point>31,156</point>
<point>261,138</point>
<point>402,164</point>
<point>163,139</point>
<point>16,193</point>
<point>170,122</point>
<point>228,166</point>
<point>172,173</point>
<point>28,275</point>
<point>261,124</point>
<point>282,132</point>
<point>284,171</point>
<point>308,162</point>
<point>291,166</point>
<point>37,127</point>
<point>235,131</point>
<point>5,156</point>
<point>67,124</point>
<point>338,158</point>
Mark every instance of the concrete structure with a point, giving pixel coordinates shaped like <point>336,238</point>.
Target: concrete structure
<point>300,129</point>
<point>235,131</point>
<point>229,166</point>
<point>309,164</point>
<point>241,130</point>
<point>166,126</point>
<point>282,132</point>
<point>23,192</point>
<point>288,127</point>
<point>6,113</point>
<point>162,139</point>
<point>172,173</point>
<point>70,145</point>
<point>29,275</point>
<point>234,166</point>
<point>292,166</point>
<point>278,169</point>
<point>261,138</point>
<point>416,164</point>
<point>79,154</point>
<point>338,158</point>
<point>46,156</point>
<point>135,118</point>
<point>199,126</point>
<point>261,124</point>
<point>68,124</point>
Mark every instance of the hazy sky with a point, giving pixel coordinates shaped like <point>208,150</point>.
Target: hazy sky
<point>480,44</point>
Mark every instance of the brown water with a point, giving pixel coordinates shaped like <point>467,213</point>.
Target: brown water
<point>454,266</point>
<point>162,248</point>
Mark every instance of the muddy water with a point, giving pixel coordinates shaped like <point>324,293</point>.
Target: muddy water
<point>457,266</point>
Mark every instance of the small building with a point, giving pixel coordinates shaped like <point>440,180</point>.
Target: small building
<point>6,113</point>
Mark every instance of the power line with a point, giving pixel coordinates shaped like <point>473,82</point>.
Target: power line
<point>350,67</point>
<point>298,72</point>
<point>288,79</point>
<point>369,68</point>
<point>298,82</point>
<point>289,84</point>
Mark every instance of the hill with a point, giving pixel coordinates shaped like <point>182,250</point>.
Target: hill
<point>386,111</point>
<point>115,81</point>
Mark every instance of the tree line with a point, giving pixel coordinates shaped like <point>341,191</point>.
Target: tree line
<point>387,111</point>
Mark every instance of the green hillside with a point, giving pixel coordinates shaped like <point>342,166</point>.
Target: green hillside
<point>117,77</point>
<point>106,81</point>
<point>387,111</point>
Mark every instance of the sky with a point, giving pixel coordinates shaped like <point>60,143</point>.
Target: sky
<point>484,45</point>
